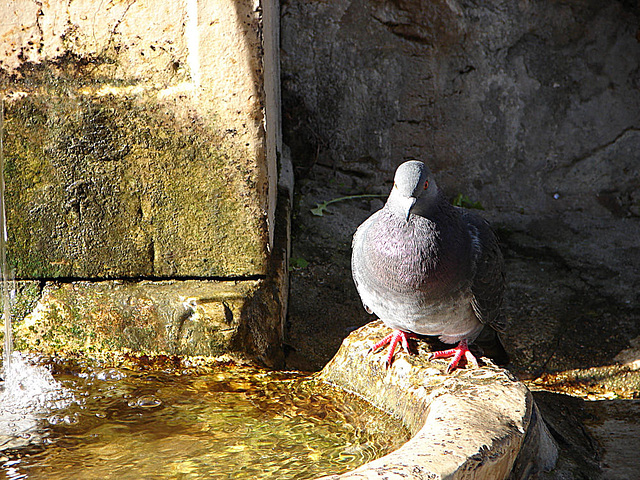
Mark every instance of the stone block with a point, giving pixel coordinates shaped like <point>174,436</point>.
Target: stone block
<point>135,139</point>
<point>140,143</point>
<point>476,423</point>
<point>179,318</point>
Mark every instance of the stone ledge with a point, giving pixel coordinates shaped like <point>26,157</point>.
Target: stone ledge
<point>174,317</point>
<point>186,318</point>
<point>472,424</point>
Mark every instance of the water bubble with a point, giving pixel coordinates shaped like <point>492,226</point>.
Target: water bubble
<point>66,419</point>
<point>146,401</point>
<point>71,419</point>
<point>110,374</point>
<point>55,419</point>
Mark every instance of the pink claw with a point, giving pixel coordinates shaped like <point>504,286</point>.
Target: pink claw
<point>457,353</point>
<point>392,340</point>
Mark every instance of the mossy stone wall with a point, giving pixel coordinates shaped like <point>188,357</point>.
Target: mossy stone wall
<point>135,140</point>
<point>140,143</point>
<point>106,182</point>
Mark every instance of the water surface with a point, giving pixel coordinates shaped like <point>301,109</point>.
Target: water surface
<point>226,422</point>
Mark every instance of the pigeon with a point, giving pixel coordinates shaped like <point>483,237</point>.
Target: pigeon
<point>425,267</point>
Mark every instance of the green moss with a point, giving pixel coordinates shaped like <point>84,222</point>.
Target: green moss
<point>26,297</point>
<point>145,317</point>
<point>123,185</point>
<point>462,200</point>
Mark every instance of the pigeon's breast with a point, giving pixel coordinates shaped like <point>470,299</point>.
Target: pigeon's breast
<point>415,275</point>
<point>408,256</point>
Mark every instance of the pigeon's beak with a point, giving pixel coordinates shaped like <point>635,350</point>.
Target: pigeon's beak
<point>407,204</point>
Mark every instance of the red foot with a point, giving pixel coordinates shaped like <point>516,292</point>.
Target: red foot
<point>392,340</point>
<point>458,353</point>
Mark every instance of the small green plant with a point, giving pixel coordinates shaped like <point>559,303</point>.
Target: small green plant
<point>321,207</point>
<point>461,200</point>
<point>297,263</point>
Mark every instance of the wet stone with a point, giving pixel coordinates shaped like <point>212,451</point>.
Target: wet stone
<point>473,423</point>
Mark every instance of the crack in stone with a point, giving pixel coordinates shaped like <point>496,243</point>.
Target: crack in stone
<point>39,14</point>
<point>599,148</point>
<point>113,31</point>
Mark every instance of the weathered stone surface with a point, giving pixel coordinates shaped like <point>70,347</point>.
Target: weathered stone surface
<point>116,186</point>
<point>135,139</point>
<point>191,318</point>
<point>616,427</point>
<point>530,108</point>
<point>140,142</point>
<point>241,318</point>
<point>476,423</point>
<point>579,453</point>
<point>186,317</point>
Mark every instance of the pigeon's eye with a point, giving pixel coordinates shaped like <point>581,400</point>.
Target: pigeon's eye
<point>426,184</point>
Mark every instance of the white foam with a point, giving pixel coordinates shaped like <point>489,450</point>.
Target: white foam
<point>29,393</point>
<point>31,386</point>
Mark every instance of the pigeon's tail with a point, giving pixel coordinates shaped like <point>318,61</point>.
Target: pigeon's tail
<point>491,346</point>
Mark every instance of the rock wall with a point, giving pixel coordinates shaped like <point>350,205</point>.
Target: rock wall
<point>129,149</point>
<point>137,146</point>
<point>530,108</point>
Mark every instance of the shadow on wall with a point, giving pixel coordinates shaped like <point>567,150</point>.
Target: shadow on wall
<point>532,109</point>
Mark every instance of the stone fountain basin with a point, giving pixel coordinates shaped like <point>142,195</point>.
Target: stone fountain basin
<point>475,423</point>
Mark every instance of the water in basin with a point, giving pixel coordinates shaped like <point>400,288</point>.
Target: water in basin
<point>176,421</point>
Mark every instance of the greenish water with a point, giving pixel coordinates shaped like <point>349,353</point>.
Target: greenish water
<point>223,423</point>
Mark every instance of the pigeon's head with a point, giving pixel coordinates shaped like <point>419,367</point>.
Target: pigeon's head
<point>412,183</point>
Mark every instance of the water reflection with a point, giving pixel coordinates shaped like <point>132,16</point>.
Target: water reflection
<point>228,422</point>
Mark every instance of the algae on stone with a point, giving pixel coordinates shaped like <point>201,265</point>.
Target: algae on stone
<point>108,182</point>
<point>138,150</point>
<point>171,317</point>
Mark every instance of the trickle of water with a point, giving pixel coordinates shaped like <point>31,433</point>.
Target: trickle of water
<point>28,393</point>
<point>4,271</point>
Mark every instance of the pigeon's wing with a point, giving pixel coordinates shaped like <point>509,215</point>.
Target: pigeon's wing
<point>488,281</point>
<point>357,254</point>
